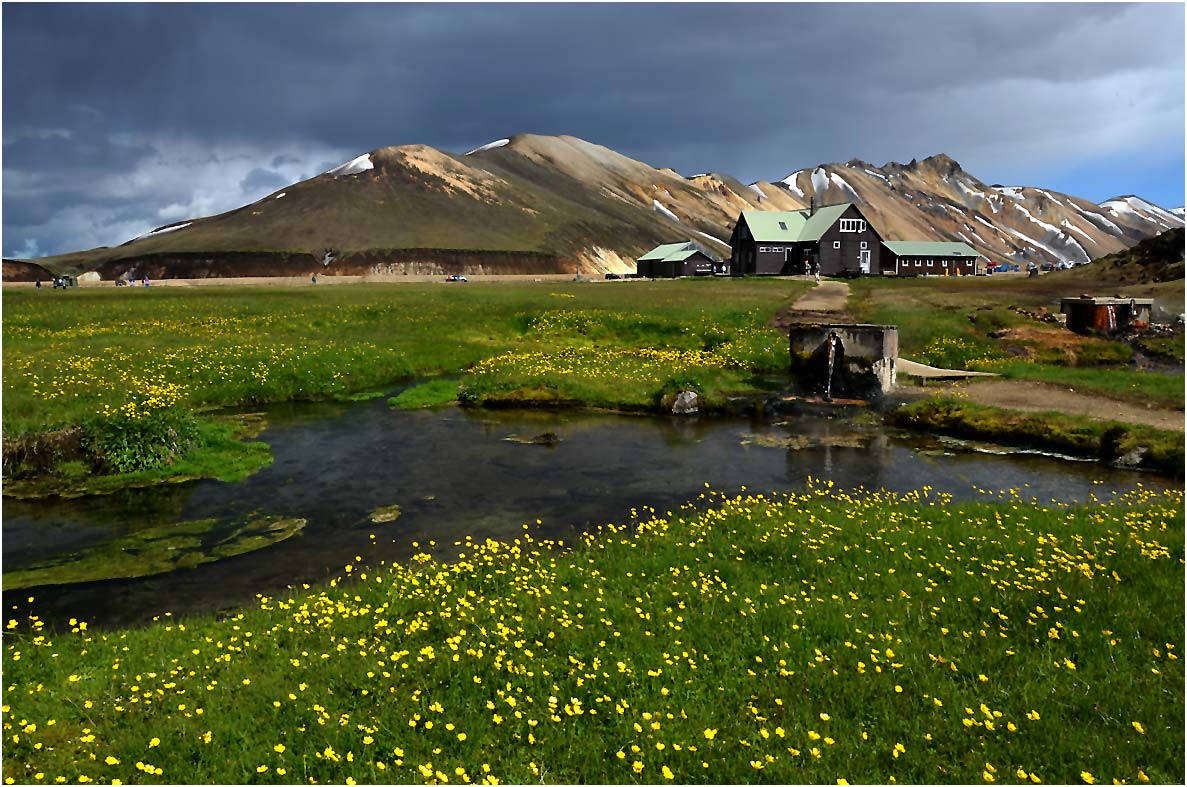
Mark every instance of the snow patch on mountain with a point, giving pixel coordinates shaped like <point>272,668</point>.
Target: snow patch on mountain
<point>844,187</point>
<point>819,180</point>
<point>352,167</point>
<point>1074,228</point>
<point>498,143</point>
<point>1011,191</point>
<point>1097,219</point>
<point>281,194</point>
<point>878,175</point>
<point>661,209</point>
<point>790,182</point>
<point>163,230</point>
<point>710,237</point>
<point>754,187</point>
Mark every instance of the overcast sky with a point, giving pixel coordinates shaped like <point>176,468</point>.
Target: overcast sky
<point>120,118</point>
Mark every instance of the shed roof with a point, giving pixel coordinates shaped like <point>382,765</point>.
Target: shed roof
<point>914,248</point>
<point>790,226</point>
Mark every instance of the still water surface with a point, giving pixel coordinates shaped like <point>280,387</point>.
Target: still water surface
<point>454,473</point>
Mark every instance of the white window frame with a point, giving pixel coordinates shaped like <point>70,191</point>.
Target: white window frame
<point>853,225</point>
<point>929,263</point>
<point>776,248</point>
<point>864,244</point>
<point>762,249</point>
<point>836,244</point>
<point>944,263</point>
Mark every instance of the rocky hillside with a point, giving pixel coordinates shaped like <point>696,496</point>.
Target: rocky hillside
<point>560,204</point>
<point>936,199</point>
<point>1153,260</point>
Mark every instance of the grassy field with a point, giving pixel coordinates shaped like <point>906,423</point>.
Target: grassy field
<point>128,366</point>
<point>947,322</point>
<point>817,638</point>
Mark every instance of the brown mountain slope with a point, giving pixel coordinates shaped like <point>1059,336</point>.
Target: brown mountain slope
<point>560,204</point>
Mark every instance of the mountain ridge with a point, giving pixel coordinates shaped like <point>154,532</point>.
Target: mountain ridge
<point>571,205</point>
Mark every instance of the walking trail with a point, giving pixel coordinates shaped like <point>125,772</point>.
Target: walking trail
<point>826,303</point>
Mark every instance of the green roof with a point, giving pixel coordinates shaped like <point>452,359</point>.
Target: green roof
<point>660,252</point>
<point>674,252</point>
<point>912,248</point>
<point>790,226</point>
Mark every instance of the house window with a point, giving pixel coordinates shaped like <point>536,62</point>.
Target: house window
<point>929,263</point>
<point>918,262</point>
<point>944,263</point>
<point>783,226</point>
<point>853,225</point>
<point>864,244</point>
<point>836,244</point>
<point>776,248</point>
<point>762,248</point>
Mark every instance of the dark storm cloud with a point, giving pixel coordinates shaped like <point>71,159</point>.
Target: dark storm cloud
<point>181,108</point>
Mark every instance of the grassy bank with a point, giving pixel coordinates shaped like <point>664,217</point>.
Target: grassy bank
<point>1108,441</point>
<point>802,639</point>
<point>87,358</point>
<point>964,323</point>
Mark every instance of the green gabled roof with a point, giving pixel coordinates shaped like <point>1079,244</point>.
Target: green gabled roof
<point>676,252</point>
<point>661,252</point>
<point>913,248</point>
<point>790,226</point>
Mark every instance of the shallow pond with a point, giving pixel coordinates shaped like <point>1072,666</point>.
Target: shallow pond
<point>449,473</point>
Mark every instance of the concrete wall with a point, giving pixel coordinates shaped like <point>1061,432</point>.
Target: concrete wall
<point>864,359</point>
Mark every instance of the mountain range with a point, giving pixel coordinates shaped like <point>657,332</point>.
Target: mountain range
<point>537,204</point>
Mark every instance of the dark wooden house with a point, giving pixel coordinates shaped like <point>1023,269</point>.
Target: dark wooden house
<point>835,240</point>
<point>920,258</point>
<point>676,259</point>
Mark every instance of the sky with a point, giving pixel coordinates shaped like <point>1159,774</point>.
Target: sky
<point>119,118</point>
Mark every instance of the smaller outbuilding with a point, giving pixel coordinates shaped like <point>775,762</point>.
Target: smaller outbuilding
<point>672,260</point>
<point>1087,314</point>
<point>928,258</point>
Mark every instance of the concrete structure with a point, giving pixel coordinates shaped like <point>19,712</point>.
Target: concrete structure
<point>1088,314</point>
<point>844,360</point>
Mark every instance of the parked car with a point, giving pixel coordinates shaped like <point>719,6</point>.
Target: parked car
<point>1006,267</point>
<point>456,277</point>
<point>1047,266</point>
<point>610,276</point>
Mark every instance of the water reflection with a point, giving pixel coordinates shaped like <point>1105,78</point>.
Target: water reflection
<point>453,473</point>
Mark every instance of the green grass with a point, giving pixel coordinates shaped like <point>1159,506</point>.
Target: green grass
<point>804,639</point>
<point>427,394</point>
<point>67,358</point>
<point>946,324</point>
<point>1054,431</point>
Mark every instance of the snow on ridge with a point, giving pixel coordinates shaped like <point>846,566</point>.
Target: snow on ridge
<point>1074,228</point>
<point>498,143</point>
<point>1011,191</point>
<point>281,194</point>
<point>967,190</point>
<point>710,237</point>
<point>790,181</point>
<point>754,187</point>
<point>844,186</point>
<point>878,175</point>
<point>163,230</point>
<point>1180,212</point>
<point>661,209</point>
<point>1096,218</point>
<point>819,180</point>
<point>1138,206</point>
<point>353,167</point>
<point>1043,224</point>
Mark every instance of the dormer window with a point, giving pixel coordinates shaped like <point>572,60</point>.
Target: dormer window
<point>853,225</point>
<point>783,226</point>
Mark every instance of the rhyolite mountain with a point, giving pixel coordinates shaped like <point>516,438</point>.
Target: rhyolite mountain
<point>541,204</point>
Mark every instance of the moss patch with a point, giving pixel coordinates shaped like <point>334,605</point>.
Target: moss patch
<point>158,550</point>
<point>428,394</point>
<point>1108,441</point>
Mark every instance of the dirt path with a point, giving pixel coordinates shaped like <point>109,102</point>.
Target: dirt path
<point>823,303</point>
<point>1030,396</point>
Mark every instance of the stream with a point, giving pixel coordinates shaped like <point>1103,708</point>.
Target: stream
<point>453,472</point>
